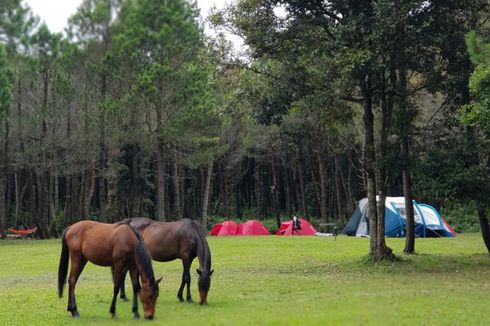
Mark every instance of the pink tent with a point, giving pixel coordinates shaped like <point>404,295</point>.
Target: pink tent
<point>287,228</point>
<point>225,228</point>
<point>252,227</point>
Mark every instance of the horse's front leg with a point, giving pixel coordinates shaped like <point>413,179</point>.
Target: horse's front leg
<point>117,276</point>
<point>186,277</point>
<point>122,288</point>
<point>77,265</point>
<point>133,273</point>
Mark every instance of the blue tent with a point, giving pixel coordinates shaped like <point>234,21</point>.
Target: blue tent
<point>428,222</point>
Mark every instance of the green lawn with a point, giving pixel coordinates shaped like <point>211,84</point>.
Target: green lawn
<point>270,281</point>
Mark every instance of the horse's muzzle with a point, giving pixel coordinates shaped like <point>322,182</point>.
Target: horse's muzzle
<point>203,296</point>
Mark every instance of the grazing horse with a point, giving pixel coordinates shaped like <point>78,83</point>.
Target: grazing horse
<point>115,245</point>
<point>182,239</point>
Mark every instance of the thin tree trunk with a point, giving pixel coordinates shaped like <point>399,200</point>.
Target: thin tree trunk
<point>484,226</point>
<point>287,188</point>
<point>175,179</point>
<point>323,186</point>
<point>160,184</point>
<point>91,189</point>
<point>369,168</point>
<point>274,188</point>
<point>207,190</point>
<point>18,203</point>
<point>304,206</point>
<point>338,183</point>
<point>102,153</point>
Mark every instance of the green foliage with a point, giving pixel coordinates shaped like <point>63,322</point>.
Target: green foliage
<point>462,218</point>
<point>6,84</point>
<point>282,280</point>
<point>477,113</point>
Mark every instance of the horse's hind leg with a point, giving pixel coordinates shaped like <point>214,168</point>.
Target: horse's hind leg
<point>77,265</point>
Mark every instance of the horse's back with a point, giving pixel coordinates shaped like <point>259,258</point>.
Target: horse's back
<point>97,241</point>
<point>167,241</point>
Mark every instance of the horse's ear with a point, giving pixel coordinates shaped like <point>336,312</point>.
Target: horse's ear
<point>198,271</point>
<point>159,280</point>
<point>211,273</point>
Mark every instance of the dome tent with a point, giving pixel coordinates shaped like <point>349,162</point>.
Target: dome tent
<point>286,228</point>
<point>428,222</point>
<point>224,228</point>
<point>252,227</point>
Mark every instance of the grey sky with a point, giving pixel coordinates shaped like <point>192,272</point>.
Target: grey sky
<point>56,12</point>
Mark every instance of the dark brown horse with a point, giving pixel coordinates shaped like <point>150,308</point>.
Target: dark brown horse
<point>115,245</point>
<point>182,239</point>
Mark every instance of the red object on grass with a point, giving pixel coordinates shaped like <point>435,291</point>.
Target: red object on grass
<point>287,228</point>
<point>23,232</point>
<point>225,228</point>
<point>252,227</point>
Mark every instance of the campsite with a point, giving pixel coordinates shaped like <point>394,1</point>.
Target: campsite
<point>270,280</point>
<point>249,162</point>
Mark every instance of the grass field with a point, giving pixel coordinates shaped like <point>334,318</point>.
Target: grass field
<point>270,281</point>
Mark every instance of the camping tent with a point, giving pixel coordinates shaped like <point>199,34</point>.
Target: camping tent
<point>225,228</point>
<point>286,228</point>
<point>252,227</point>
<point>428,222</point>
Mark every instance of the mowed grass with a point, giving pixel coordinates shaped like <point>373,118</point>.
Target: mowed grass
<point>269,281</point>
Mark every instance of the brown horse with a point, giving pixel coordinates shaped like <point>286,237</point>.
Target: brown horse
<point>115,245</point>
<point>182,239</point>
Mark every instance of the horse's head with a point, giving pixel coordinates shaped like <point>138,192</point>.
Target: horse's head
<point>204,282</point>
<point>148,296</point>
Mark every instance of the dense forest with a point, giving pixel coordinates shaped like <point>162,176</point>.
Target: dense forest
<point>135,111</point>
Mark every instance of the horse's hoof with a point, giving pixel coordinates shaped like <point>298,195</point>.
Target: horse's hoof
<point>114,316</point>
<point>136,317</point>
<point>75,314</point>
<point>124,299</point>
<point>190,301</point>
<point>180,299</point>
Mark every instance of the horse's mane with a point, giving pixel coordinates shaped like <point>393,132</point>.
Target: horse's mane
<point>142,255</point>
<point>203,253</point>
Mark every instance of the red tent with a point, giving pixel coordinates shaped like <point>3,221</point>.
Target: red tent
<point>252,227</point>
<point>287,228</point>
<point>225,228</point>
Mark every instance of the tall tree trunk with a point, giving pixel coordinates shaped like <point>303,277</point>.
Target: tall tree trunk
<point>102,152</point>
<point>338,184</point>
<point>289,192</point>
<point>32,199</point>
<point>406,172</point>
<point>274,188</point>
<point>382,170</point>
<point>91,189</point>
<point>322,171</point>
<point>484,226</point>
<point>160,183</point>
<point>18,203</point>
<point>175,179</point>
<point>207,190</point>
<point>369,168</point>
<point>3,211</point>
<point>301,177</point>
<point>407,193</point>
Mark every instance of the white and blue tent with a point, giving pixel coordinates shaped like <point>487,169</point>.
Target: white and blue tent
<point>428,222</point>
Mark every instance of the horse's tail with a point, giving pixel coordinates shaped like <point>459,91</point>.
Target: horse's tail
<point>63,267</point>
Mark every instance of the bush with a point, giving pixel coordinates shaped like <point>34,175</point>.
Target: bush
<point>463,217</point>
